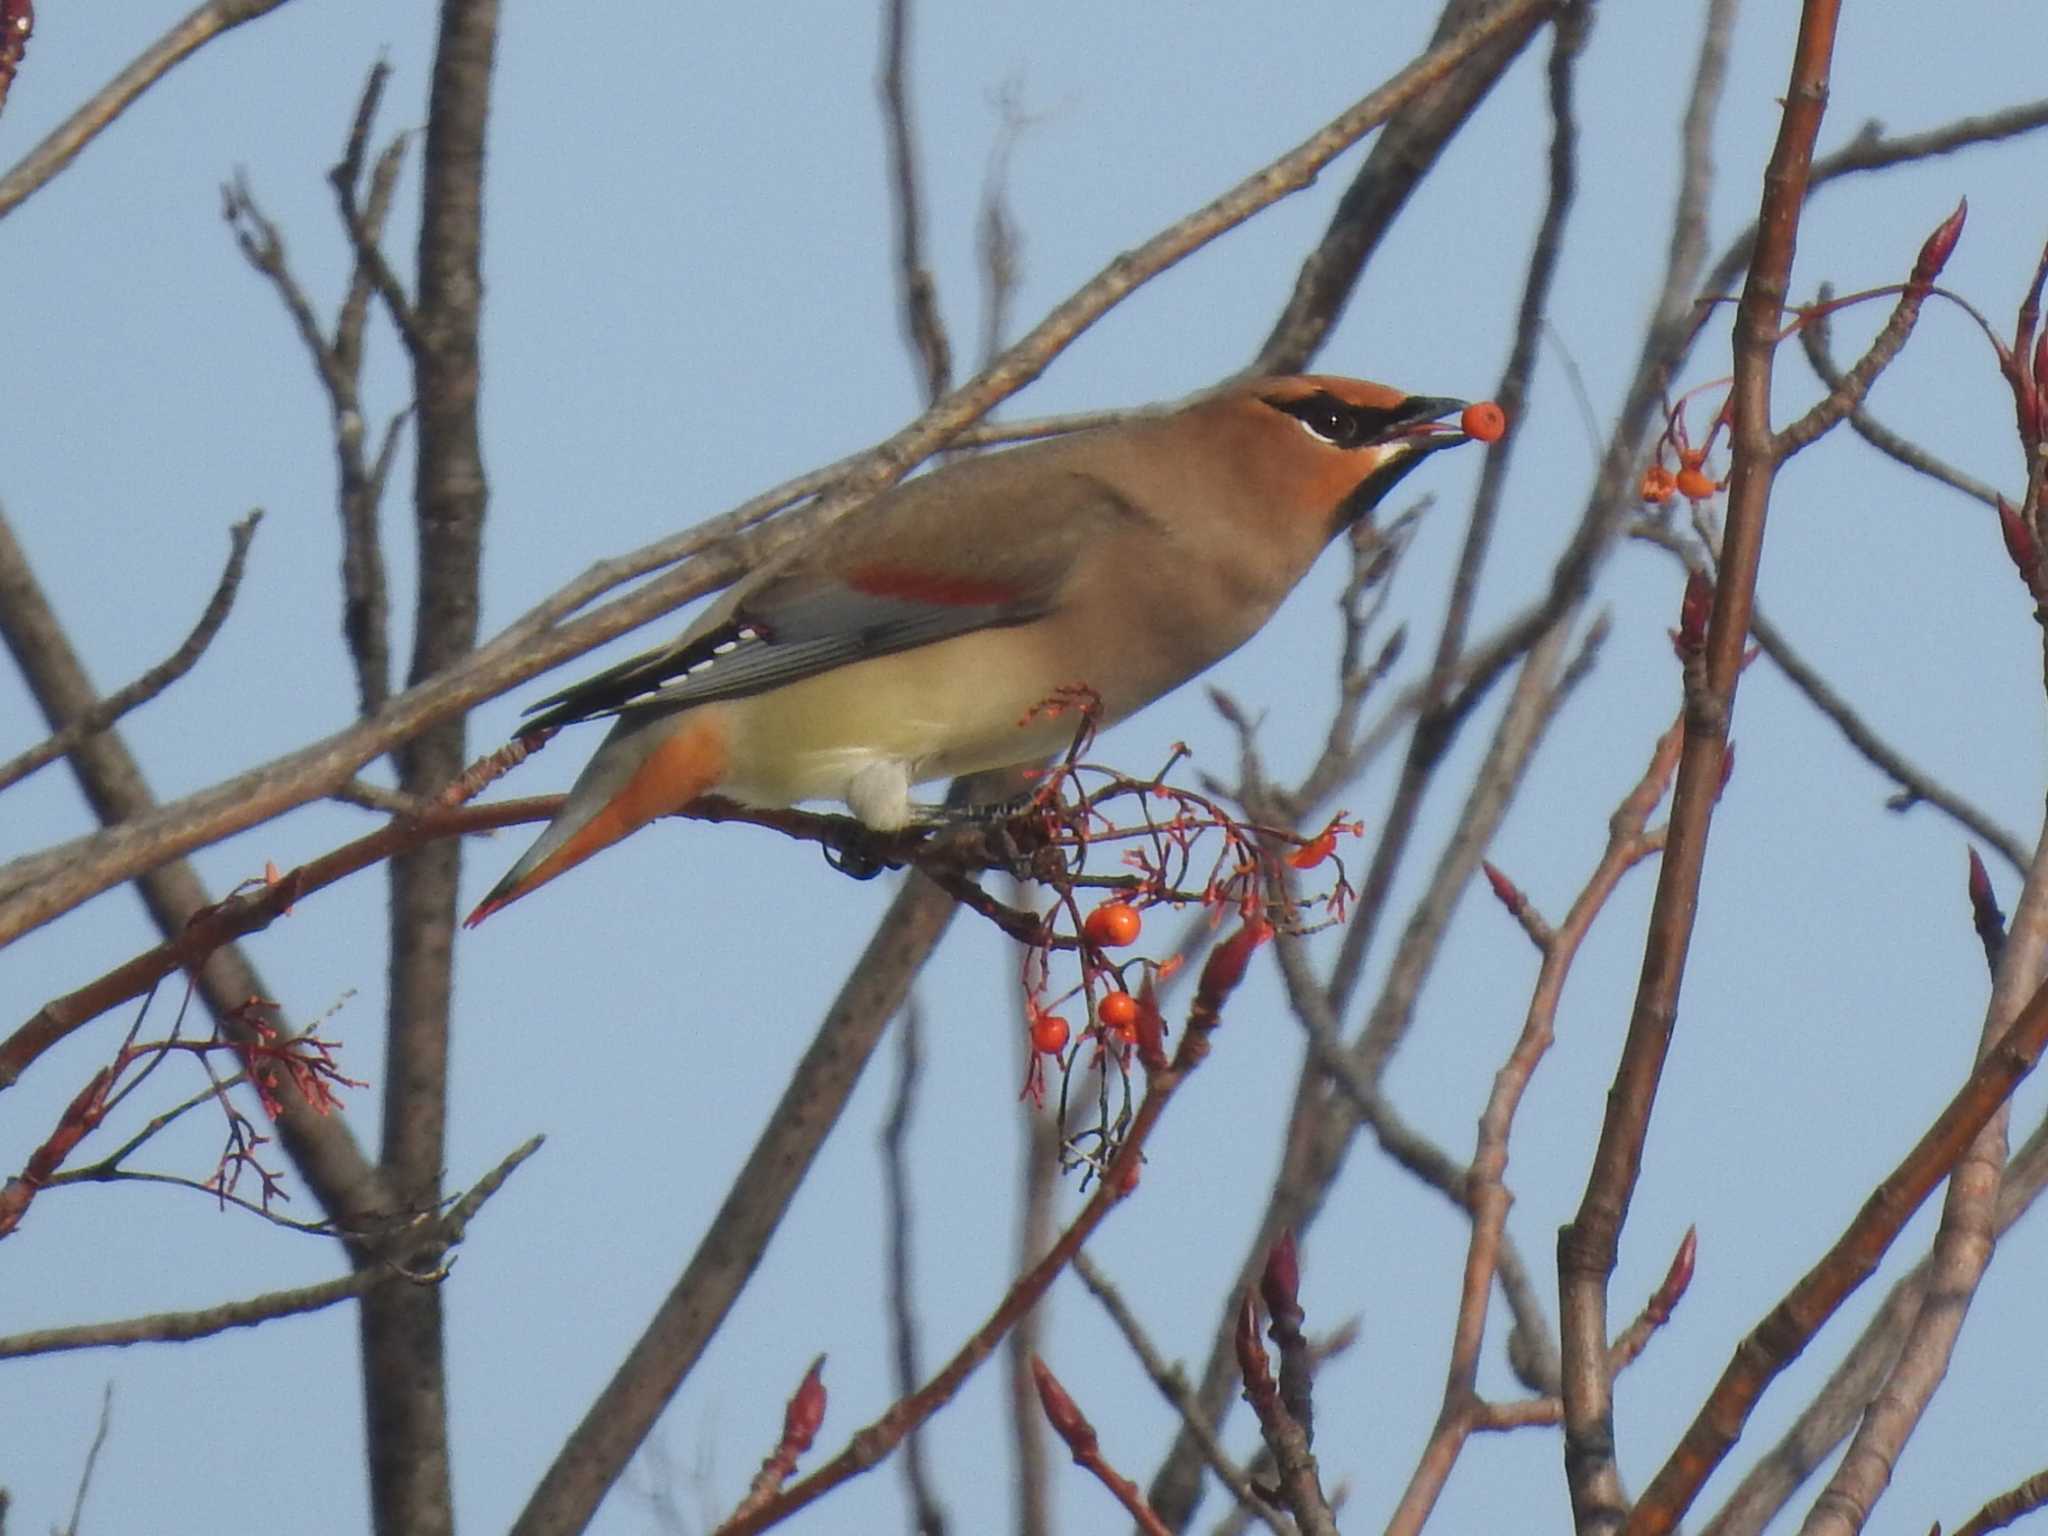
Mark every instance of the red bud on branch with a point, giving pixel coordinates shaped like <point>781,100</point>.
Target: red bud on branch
<point>805,1414</point>
<point>1228,962</point>
<point>1151,1028</point>
<point>1677,1279</point>
<point>1505,890</point>
<point>1983,901</point>
<point>2019,542</point>
<point>1062,1412</point>
<point>800,1422</point>
<point>1280,1287</point>
<point>2033,412</point>
<point>1280,1282</point>
<point>1985,916</point>
<point>1694,609</point>
<point>1940,245</point>
<point>1252,1360</point>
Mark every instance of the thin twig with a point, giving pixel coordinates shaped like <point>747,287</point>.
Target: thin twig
<point>1960,1253</point>
<point>1629,843</point>
<point>1038,1176</point>
<point>1405,151</point>
<point>1850,1260</point>
<point>1847,394</point>
<point>630,1403</point>
<point>930,1517</point>
<point>997,238</point>
<point>167,1327</point>
<point>1172,1383</point>
<point>1285,1431</point>
<point>64,141</point>
<point>1327,1118</point>
<point>158,677</point>
<point>1073,1427</point>
<point>364,225</point>
<point>92,1456</point>
<point>918,293</point>
<point>2008,1507</point>
<point>1916,785</point>
<point>320,1145</point>
<point>1832,1411</point>
<point>1588,1249</point>
<point>1870,150</point>
<point>366,617</point>
<point>1221,975</point>
<point>1813,338</point>
<point>213,926</point>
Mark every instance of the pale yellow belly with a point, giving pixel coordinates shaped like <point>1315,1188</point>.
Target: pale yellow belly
<point>951,708</point>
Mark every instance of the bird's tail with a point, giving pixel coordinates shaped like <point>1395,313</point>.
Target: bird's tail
<point>646,768</point>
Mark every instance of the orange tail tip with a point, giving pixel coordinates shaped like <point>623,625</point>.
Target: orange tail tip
<point>641,772</point>
<point>502,895</point>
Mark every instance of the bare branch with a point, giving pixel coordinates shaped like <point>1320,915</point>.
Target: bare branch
<point>1853,1258</point>
<point>918,294</point>
<point>2008,1507</point>
<point>929,1516</point>
<point>1960,1253</point>
<point>999,241</point>
<point>173,1327</point>
<point>61,147</point>
<point>1221,975</point>
<point>1916,785</point>
<point>626,1409</point>
<point>92,1456</point>
<point>320,1145</point>
<point>1870,150</point>
<point>1827,1419</point>
<point>14,615</point>
<point>1813,338</point>
<point>1038,1188</point>
<point>1403,154</point>
<point>1172,1383</point>
<point>1588,1248</point>
<point>1629,843</point>
<point>1073,1427</point>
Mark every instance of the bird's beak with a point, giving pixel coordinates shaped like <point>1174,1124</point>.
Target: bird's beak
<point>1419,432</point>
<point>1422,423</point>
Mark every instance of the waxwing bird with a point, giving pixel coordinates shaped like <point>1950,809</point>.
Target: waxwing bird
<point>916,638</point>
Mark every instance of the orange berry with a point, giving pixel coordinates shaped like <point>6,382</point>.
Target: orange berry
<point>1695,484</point>
<point>1112,925</point>
<point>1658,484</point>
<point>1119,1014</point>
<point>1048,1033</point>
<point>1484,420</point>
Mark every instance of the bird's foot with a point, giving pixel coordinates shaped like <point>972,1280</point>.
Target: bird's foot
<point>861,852</point>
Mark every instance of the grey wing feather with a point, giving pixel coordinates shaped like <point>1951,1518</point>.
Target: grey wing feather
<point>801,619</point>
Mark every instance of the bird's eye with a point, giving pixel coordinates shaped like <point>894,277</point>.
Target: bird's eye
<point>1336,422</point>
<point>1324,420</point>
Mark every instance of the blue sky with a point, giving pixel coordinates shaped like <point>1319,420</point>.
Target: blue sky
<point>689,297</point>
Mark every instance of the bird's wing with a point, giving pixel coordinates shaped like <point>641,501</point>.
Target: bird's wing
<point>976,546</point>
